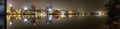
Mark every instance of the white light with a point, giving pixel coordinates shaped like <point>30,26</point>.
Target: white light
<point>70,16</point>
<point>49,9</point>
<point>63,13</point>
<point>25,8</point>
<point>25,19</point>
<point>10,23</point>
<point>83,14</point>
<point>43,14</point>
<point>10,5</point>
<point>50,18</point>
<point>63,16</point>
<point>100,13</point>
<point>70,12</point>
<point>58,9</point>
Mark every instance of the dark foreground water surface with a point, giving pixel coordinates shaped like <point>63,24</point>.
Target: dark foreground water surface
<point>55,22</point>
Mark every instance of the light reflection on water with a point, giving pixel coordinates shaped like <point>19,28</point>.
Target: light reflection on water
<point>19,21</point>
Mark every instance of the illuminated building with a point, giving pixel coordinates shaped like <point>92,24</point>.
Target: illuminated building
<point>49,9</point>
<point>49,20</point>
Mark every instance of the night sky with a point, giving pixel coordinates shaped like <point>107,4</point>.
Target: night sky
<point>2,12</point>
<point>90,5</point>
<point>2,8</point>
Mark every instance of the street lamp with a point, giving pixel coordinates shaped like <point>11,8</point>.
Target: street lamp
<point>49,9</point>
<point>10,5</point>
<point>49,18</point>
<point>25,8</point>
<point>10,23</point>
<point>25,19</point>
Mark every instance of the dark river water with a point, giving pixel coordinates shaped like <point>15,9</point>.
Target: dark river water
<point>55,21</point>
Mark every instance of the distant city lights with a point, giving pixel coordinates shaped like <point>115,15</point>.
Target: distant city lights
<point>58,9</point>
<point>62,12</point>
<point>49,9</point>
<point>70,16</point>
<point>70,12</point>
<point>49,18</point>
<point>63,16</point>
<point>25,8</point>
<point>25,19</point>
<point>10,23</point>
<point>10,5</point>
<point>100,13</point>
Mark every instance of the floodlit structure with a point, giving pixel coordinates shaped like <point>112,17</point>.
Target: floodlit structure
<point>49,7</point>
<point>25,8</point>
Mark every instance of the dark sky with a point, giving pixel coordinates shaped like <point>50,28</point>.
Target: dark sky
<point>2,7</point>
<point>62,4</point>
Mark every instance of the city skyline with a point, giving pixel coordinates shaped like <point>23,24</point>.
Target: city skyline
<point>61,4</point>
<point>56,14</point>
